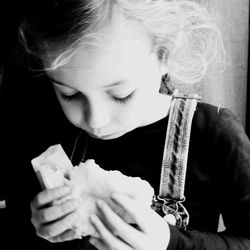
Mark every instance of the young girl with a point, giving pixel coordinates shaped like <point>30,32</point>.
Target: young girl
<point>113,66</point>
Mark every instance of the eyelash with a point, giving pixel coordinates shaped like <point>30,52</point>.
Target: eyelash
<point>123,99</point>
<point>69,98</point>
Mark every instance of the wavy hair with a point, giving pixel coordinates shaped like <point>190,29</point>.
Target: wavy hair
<point>183,33</point>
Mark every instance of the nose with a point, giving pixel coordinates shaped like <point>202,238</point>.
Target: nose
<point>97,115</point>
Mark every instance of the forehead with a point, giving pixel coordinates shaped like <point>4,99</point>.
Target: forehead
<point>116,49</point>
<point>117,38</point>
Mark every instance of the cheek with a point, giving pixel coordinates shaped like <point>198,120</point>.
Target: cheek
<point>74,113</point>
<point>141,108</point>
<point>135,112</point>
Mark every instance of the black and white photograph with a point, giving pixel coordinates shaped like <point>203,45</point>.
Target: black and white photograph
<point>124,125</point>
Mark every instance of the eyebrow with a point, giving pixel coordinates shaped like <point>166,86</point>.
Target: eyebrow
<point>65,84</point>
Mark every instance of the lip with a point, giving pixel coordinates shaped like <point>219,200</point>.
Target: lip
<point>106,136</point>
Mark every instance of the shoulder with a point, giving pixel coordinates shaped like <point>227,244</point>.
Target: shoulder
<point>219,131</point>
<point>222,130</point>
<point>217,119</point>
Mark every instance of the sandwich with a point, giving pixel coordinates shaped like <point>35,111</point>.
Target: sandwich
<point>89,182</point>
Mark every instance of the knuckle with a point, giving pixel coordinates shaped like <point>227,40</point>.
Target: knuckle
<point>44,216</point>
<point>34,221</point>
<point>118,231</point>
<point>48,214</point>
<point>50,231</point>
<point>39,199</point>
<point>35,202</point>
<point>59,227</point>
<point>51,214</point>
<point>72,218</point>
<point>68,206</point>
<point>60,191</point>
<point>53,240</point>
<point>32,205</point>
<point>65,208</point>
<point>42,233</point>
<point>61,238</point>
<point>55,192</point>
<point>69,220</point>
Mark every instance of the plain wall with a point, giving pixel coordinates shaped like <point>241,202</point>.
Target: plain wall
<point>229,88</point>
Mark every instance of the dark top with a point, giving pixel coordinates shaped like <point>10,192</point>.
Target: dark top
<point>218,171</point>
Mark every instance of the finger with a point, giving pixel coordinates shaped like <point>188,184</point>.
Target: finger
<point>49,195</point>
<point>137,212</point>
<point>106,236</point>
<point>97,243</point>
<point>58,227</point>
<point>119,227</point>
<point>66,236</point>
<point>55,212</point>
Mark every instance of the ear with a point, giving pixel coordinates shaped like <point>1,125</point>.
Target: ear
<point>163,60</point>
<point>163,68</point>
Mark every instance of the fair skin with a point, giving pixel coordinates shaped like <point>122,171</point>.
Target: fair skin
<point>107,93</point>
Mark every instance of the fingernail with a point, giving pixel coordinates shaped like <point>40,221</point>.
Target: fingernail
<point>92,241</point>
<point>93,218</point>
<point>116,197</point>
<point>100,203</point>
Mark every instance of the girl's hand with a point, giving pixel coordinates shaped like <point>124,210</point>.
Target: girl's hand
<point>51,220</point>
<point>152,231</point>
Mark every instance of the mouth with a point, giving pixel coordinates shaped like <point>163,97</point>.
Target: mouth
<point>106,136</point>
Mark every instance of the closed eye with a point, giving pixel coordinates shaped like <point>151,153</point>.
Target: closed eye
<point>123,99</point>
<point>69,98</point>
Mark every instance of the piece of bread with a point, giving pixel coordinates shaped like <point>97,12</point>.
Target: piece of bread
<point>52,167</point>
<point>89,182</point>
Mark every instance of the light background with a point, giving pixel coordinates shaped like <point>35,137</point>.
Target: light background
<point>229,88</point>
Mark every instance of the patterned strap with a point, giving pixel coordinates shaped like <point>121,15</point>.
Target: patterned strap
<point>174,163</point>
<point>175,154</point>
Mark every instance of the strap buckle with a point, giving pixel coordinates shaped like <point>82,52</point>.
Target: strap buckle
<point>165,207</point>
<point>185,95</point>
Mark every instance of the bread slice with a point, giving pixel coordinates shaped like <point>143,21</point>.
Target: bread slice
<point>52,167</point>
<point>89,183</point>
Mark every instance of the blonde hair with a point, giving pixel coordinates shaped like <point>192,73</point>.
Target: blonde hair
<point>183,34</point>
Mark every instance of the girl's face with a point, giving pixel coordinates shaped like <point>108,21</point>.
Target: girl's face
<point>113,89</point>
